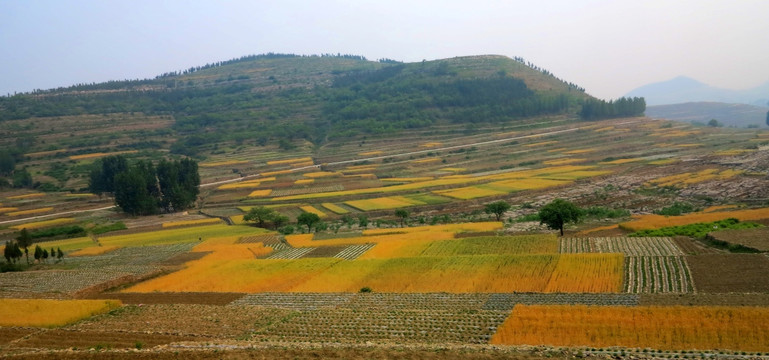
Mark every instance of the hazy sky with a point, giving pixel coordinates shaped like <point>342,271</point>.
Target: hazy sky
<point>607,47</point>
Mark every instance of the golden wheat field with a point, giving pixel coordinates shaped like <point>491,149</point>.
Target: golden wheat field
<point>42,224</point>
<point>50,313</point>
<point>656,327</point>
<point>652,221</point>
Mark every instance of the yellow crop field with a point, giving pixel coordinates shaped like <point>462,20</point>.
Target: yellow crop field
<point>361,176</point>
<point>685,179</point>
<point>579,151</point>
<point>290,161</point>
<point>312,210</point>
<point>241,185</point>
<point>453,169</point>
<point>336,209</point>
<point>26,196</point>
<point>425,161</point>
<point>564,161</point>
<point>30,212</point>
<point>382,203</point>
<point>469,192</point>
<point>80,195</point>
<point>101,154</point>
<point>431,144</point>
<point>733,152</point>
<point>226,248</point>
<point>718,208</point>
<point>42,224</point>
<point>687,145</point>
<point>407,179</point>
<point>260,193</point>
<point>576,175</point>
<point>371,153</point>
<point>223,163</point>
<point>677,133</point>
<point>621,161</point>
<point>451,228</point>
<point>7,209</point>
<point>653,221</point>
<point>445,181</point>
<point>179,235</point>
<point>206,221</point>
<point>527,184</point>
<point>657,327</point>
<point>607,128</point>
<point>664,161</point>
<point>304,181</point>
<point>487,245</point>
<point>361,167</point>
<point>71,244</point>
<point>51,313</point>
<point>320,174</point>
<point>93,250</point>
<point>588,273</point>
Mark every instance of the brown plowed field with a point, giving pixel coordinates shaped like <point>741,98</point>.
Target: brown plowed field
<point>753,238</point>
<point>63,339</point>
<point>280,353</point>
<point>728,273</point>
<point>9,334</point>
<point>691,247</point>
<point>705,299</point>
<point>172,298</point>
<point>324,251</point>
<point>197,321</point>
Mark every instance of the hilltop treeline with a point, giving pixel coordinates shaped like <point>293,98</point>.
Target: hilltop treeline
<point>593,109</point>
<point>143,188</point>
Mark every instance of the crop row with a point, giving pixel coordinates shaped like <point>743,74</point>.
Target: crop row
<point>64,281</point>
<point>309,190</point>
<point>354,251</point>
<point>144,255</point>
<point>266,239</point>
<point>508,301</point>
<point>332,325</point>
<point>630,246</point>
<point>290,253</point>
<point>657,274</point>
<point>295,301</point>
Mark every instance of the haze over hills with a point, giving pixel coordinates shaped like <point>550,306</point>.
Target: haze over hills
<point>739,115</point>
<point>683,89</point>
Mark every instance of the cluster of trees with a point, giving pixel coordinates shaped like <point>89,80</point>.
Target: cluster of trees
<point>42,255</point>
<point>13,250</point>
<point>594,109</point>
<point>144,188</point>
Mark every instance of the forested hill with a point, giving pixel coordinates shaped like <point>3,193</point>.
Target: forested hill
<point>280,97</point>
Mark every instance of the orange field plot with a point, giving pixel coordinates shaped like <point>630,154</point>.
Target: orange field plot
<point>430,144</point>
<point>579,151</point>
<point>4,210</point>
<point>470,192</point>
<point>455,274</point>
<point>50,313</point>
<point>664,161</point>
<point>656,327</point>
<point>651,221</point>
<point>290,161</point>
<point>101,154</point>
<point>406,179</point>
<point>241,185</point>
<point>30,212</point>
<point>453,169</point>
<point>733,152</point>
<point>304,181</point>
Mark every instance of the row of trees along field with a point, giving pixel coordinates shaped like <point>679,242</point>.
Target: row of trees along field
<point>593,109</point>
<point>143,188</point>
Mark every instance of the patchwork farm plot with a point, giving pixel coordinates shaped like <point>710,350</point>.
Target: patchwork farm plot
<point>462,283</point>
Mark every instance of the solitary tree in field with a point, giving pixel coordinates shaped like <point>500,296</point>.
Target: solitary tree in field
<point>260,215</point>
<point>308,219</point>
<point>559,212</point>
<point>402,214</point>
<point>498,208</point>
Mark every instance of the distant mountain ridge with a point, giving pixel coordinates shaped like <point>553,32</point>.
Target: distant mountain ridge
<point>683,89</point>
<point>738,115</point>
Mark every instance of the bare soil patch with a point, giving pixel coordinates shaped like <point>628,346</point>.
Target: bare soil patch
<point>194,321</point>
<point>63,339</point>
<point>726,273</point>
<point>8,334</point>
<point>692,247</point>
<point>753,238</point>
<point>705,299</point>
<point>324,251</point>
<point>266,239</point>
<point>172,298</point>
